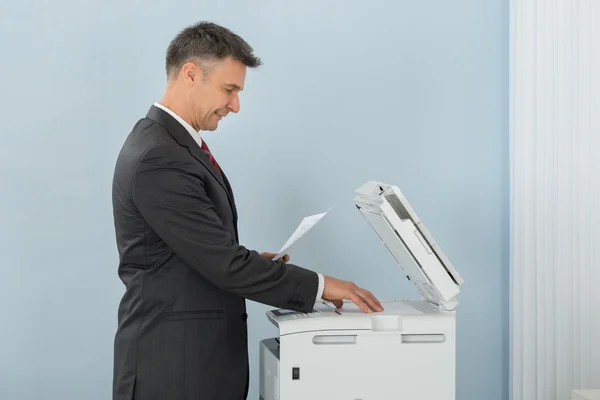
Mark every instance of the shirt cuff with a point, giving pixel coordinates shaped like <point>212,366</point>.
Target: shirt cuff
<point>321,287</point>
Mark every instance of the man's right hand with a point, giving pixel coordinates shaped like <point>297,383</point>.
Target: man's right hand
<point>336,291</point>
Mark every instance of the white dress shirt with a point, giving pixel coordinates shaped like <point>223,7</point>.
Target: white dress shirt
<point>198,139</point>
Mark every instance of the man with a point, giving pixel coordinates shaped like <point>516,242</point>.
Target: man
<point>182,330</point>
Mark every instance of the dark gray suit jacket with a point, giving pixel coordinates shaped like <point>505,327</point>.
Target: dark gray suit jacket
<point>182,332</point>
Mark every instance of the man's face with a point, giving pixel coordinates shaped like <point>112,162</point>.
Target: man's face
<point>216,96</point>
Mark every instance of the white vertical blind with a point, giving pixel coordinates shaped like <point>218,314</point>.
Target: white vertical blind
<point>555,197</point>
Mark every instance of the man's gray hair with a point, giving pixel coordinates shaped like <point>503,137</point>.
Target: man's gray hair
<point>207,42</point>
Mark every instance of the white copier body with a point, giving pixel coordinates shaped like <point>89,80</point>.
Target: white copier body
<point>405,352</point>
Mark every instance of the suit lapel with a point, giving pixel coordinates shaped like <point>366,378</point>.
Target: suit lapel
<point>233,207</point>
<point>182,136</point>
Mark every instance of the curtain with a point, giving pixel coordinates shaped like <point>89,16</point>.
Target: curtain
<point>554,198</point>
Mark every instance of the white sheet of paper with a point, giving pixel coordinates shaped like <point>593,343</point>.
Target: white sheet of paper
<point>306,225</point>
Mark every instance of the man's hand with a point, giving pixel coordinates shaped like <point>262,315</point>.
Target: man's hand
<point>270,256</point>
<point>336,291</point>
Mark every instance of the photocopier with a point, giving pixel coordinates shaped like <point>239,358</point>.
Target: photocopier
<point>405,352</point>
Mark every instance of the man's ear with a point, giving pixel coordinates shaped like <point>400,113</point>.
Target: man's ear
<point>191,73</point>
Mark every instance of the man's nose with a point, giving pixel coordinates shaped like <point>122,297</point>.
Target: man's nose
<point>234,104</point>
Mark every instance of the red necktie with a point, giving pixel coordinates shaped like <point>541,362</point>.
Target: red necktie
<point>210,157</point>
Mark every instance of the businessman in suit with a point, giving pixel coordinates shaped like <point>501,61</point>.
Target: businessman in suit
<point>182,330</point>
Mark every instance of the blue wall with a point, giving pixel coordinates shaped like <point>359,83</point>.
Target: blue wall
<point>410,93</point>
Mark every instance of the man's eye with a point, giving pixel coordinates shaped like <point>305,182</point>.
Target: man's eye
<point>229,91</point>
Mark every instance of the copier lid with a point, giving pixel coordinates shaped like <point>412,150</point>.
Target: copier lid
<point>412,246</point>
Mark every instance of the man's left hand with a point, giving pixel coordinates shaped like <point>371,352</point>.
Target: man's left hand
<point>270,256</point>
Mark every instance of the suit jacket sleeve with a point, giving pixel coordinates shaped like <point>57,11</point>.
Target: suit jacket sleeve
<point>175,205</point>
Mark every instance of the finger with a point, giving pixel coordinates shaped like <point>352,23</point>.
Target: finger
<point>286,258</point>
<point>356,299</point>
<point>268,255</point>
<point>338,303</point>
<point>371,301</point>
